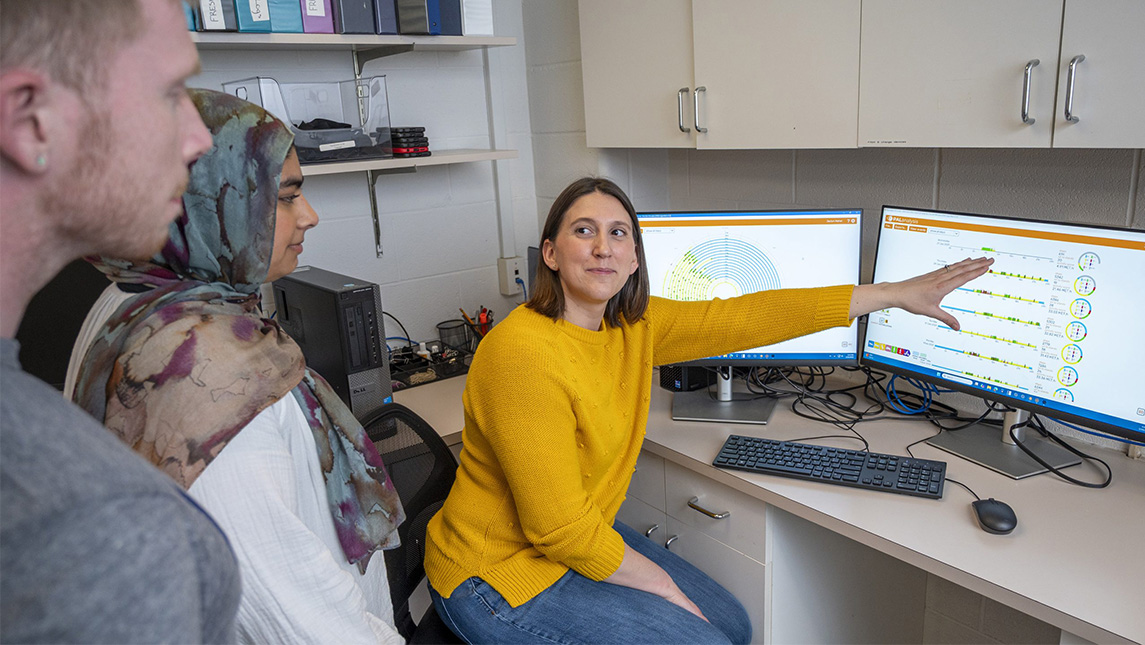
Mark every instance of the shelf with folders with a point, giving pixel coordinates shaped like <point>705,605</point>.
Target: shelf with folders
<point>439,158</point>
<point>376,45</point>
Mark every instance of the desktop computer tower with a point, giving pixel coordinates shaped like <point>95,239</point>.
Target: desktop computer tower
<point>685,378</point>
<point>337,321</point>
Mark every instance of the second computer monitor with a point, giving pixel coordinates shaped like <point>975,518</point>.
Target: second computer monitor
<point>722,254</point>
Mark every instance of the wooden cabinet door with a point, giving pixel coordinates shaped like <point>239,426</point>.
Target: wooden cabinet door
<point>635,57</point>
<point>1108,95</point>
<point>950,73</point>
<point>777,73</point>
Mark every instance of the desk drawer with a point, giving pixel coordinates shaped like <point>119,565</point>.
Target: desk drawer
<point>648,480</point>
<point>745,527</point>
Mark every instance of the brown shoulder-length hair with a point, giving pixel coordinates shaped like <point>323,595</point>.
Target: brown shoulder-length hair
<point>548,297</point>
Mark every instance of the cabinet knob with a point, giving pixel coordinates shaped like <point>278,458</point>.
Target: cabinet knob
<point>680,109</point>
<point>669,541</point>
<point>694,504</point>
<point>651,529</point>
<point>1026,92</point>
<point>1069,115</point>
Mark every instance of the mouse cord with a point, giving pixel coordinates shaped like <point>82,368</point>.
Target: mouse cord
<point>1049,435</point>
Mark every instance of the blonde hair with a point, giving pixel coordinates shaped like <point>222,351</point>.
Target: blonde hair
<point>69,40</point>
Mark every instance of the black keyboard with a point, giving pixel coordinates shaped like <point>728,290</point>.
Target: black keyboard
<point>869,470</point>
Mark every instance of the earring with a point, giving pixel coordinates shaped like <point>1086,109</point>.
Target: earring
<point>41,161</point>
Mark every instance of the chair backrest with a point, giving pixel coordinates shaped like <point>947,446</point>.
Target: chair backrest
<point>422,469</point>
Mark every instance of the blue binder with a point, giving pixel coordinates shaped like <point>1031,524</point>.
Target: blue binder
<point>419,17</point>
<point>385,17</point>
<point>286,16</point>
<point>253,15</point>
<point>450,17</point>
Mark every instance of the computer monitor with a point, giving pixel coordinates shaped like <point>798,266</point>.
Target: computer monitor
<point>721,254</point>
<point>1055,327</point>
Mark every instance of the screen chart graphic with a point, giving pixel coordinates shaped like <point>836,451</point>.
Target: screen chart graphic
<point>708,255</point>
<point>1056,323</point>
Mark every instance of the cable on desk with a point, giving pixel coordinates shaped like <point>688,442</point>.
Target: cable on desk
<point>1035,422</point>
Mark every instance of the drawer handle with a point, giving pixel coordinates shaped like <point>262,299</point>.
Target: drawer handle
<point>652,529</point>
<point>669,541</point>
<point>680,109</point>
<point>694,504</point>
<point>1069,115</point>
<point>1026,92</point>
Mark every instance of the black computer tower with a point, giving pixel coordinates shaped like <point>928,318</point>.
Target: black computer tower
<point>337,321</point>
<point>685,378</point>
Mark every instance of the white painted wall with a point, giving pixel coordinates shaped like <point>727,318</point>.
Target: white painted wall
<point>441,231</point>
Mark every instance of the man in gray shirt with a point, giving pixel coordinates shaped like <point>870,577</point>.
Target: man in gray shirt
<point>96,134</point>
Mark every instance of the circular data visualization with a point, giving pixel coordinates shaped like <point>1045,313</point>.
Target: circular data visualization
<point>1071,354</point>
<point>1084,285</point>
<point>1067,376</point>
<point>1080,308</point>
<point>1088,260</point>
<point>1063,394</point>
<point>1076,331</point>
<point>720,268</point>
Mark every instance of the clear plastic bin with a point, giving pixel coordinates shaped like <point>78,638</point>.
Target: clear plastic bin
<point>332,121</point>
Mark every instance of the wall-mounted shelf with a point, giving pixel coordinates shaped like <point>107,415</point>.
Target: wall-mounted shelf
<point>438,158</point>
<point>364,48</point>
<point>369,46</point>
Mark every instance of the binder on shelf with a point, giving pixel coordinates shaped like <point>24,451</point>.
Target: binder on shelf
<point>385,17</point>
<point>353,16</point>
<point>450,17</point>
<point>190,12</point>
<point>419,17</point>
<point>317,17</point>
<point>477,17</point>
<point>253,16</point>
<point>218,15</point>
<point>285,16</point>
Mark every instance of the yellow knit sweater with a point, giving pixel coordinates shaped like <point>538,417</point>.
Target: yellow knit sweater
<point>554,419</point>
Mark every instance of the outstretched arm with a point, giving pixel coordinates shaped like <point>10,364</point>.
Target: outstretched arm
<point>920,294</point>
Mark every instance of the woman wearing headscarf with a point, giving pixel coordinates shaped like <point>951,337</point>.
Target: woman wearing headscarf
<point>186,371</point>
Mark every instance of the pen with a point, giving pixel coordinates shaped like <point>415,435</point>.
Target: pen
<point>470,321</point>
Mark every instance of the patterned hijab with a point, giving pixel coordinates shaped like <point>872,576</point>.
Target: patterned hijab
<point>180,369</point>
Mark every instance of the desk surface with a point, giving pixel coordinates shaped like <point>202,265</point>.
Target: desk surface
<point>1075,560</point>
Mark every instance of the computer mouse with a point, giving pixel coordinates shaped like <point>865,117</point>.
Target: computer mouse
<point>994,516</point>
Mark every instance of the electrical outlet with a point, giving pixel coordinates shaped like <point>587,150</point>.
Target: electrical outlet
<point>508,271</point>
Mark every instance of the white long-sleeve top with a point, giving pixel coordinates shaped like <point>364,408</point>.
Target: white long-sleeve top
<point>267,493</point>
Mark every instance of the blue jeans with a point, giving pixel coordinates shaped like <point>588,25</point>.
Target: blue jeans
<point>578,610</point>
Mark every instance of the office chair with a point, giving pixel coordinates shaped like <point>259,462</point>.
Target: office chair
<point>422,469</point>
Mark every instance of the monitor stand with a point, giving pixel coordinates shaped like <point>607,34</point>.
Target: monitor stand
<point>980,444</point>
<point>726,407</point>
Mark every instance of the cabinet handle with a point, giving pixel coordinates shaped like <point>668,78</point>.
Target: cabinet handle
<point>694,504</point>
<point>1026,92</point>
<point>669,541</point>
<point>680,109</point>
<point>1069,115</point>
<point>652,529</point>
<point>696,106</point>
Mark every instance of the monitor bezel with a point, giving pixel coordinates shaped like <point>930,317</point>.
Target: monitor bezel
<point>1011,401</point>
<point>740,361</point>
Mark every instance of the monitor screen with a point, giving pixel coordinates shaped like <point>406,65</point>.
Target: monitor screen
<point>722,254</point>
<point>1056,326</point>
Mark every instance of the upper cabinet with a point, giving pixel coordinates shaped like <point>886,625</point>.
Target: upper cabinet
<point>720,74</point>
<point>985,74</point>
<point>723,74</point>
<point>1105,42</point>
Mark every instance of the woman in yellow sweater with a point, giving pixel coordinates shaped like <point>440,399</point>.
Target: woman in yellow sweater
<point>526,548</point>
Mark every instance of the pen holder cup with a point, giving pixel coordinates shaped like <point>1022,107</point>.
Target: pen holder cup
<point>455,334</point>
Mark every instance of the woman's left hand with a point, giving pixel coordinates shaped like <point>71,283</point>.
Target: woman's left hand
<point>921,294</point>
